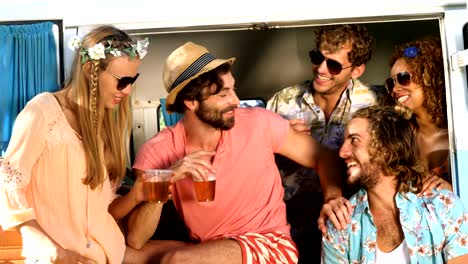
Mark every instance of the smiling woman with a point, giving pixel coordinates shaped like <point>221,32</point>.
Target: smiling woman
<point>68,155</point>
<point>417,81</point>
<point>116,82</point>
<point>402,78</point>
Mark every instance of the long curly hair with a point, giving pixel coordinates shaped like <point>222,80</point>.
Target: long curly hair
<point>427,70</point>
<point>336,37</point>
<point>105,132</point>
<point>393,147</point>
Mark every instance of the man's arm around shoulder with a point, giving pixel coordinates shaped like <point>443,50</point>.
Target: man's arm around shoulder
<point>306,151</point>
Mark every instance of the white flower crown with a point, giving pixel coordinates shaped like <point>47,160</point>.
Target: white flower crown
<point>98,51</point>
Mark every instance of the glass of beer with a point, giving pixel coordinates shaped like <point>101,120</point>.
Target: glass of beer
<point>302,114</point>
<point>205,190</point>
<point>156,185</point>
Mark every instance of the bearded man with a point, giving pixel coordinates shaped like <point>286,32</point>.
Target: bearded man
<point>246,222</point>
<point>390,222</point>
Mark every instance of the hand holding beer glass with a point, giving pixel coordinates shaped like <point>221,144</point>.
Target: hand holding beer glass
<point>156,185</point>
<point>303,115</point>
<point>205,190</point>
<point>198,166</point>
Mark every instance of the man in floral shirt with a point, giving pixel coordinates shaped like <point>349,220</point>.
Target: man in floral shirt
<point>332,96</point>
<point>390,223</point>
<point>334,92</point>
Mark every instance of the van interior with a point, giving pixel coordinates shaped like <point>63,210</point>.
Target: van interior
<point>269,57</point>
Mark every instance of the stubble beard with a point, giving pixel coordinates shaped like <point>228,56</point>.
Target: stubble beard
<point>367,177</point>
<point>336,85</point>
<point>214,117</point>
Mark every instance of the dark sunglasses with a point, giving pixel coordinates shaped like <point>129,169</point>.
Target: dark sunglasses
<point>123,81</point>
<point>402,78</point>
<point>334,67</point>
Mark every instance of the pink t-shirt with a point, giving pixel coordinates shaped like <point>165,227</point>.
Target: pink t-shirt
<point>249,194</point>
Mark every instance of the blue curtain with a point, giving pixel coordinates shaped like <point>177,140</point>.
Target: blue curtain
<point>28,66</point>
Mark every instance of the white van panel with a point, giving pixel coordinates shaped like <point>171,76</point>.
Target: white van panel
<point>457,101</point>
<point>270,40</point>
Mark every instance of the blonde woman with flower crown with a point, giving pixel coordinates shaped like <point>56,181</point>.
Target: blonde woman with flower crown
<point>68,155</point>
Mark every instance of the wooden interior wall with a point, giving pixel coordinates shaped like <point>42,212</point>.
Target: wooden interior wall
<point>10,247</point>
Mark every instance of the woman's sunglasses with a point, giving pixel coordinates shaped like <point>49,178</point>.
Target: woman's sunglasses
<point>334,67</point>
<point>402,78</point>
<point>123,81</point>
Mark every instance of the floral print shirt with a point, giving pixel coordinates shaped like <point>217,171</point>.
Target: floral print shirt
<point>435,229</point>
<point>298,97</point>
<point>356,96</point>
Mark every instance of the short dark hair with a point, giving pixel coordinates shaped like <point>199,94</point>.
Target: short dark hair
<point>392,145</point>
<point>335,37</point>
<point>197,89</point>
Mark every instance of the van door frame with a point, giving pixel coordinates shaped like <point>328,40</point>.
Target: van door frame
<point>451,26</point>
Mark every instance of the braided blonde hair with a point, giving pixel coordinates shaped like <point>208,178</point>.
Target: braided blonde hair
<point>93,81</point>
<point>105,132</point>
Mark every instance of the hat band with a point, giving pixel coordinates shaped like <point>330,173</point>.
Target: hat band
<point>195,67</point>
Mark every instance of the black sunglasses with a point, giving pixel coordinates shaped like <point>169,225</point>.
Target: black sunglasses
<point>334,67</point>
<point>123,82</point>
<point>402,78</point>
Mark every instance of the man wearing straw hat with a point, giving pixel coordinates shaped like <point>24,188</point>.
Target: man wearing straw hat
<point>246,221</point>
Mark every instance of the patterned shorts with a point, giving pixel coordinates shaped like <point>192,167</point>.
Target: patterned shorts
<point>267,248</point>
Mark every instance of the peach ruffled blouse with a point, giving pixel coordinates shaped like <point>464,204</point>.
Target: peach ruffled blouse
<point>41,178</point>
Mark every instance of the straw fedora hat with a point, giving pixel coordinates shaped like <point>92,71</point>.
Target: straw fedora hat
<point>186,63</point>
